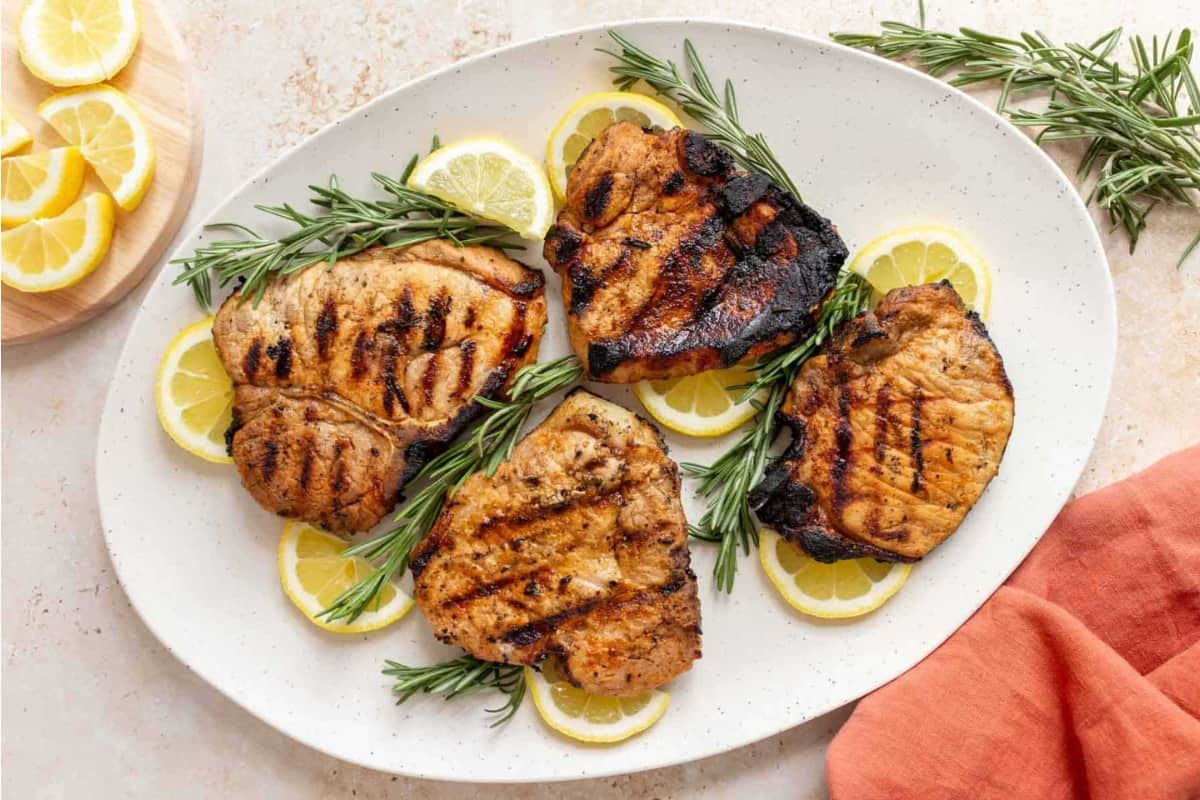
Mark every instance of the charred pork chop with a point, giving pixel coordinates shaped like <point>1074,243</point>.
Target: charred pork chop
<point>577,548</point>
<point>898,428</point>
<point>347,379</point>
<point>674,262</point>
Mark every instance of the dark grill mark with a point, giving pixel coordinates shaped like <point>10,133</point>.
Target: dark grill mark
<point>742,192</point>
<point>914,439</point>
<point>466,367</point>
<point>566,243</point>
<point>522,347</point>
<point>392,392</point>
<point>673,183</point>
<point>252,359</point>
<point>235,425</point>
<point>435,321</point>
<point>469,318</point>
<point>270,459</point>
<point>842,435</point>
<point>337,483</point>
<point>327,324</point>
<point>429,378</point>
<point>306,463</point>
<point>527,289</point>
<point>281,352</point>
<point>358,355</point>
<point>704,158</point>
<point>883,405</point>
<point>638,243</point>
<point>584,284</point>
<point>516,329</point>
<point>531,632</point>
<point>597,197</point>
<point>405,316</point>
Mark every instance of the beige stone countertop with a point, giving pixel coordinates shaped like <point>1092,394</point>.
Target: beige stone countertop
<point>94,706</point>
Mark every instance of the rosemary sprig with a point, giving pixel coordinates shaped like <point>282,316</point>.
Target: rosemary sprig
<point>461,676</point>
<point>489,444</point>
<point>346,225</point>
<point>1140,124</point>
<point>699,99</point>
<point>726,483</point>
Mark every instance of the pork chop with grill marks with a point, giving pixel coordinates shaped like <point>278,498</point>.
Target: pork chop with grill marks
<point>898,428</point>
<point>348,379</point>
<point>673,261</point>
<point>577,548</point>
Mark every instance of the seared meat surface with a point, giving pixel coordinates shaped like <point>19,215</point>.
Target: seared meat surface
<point>577,548</point>
<point>674,262</point>
<point>347,379</point>
<point>898,428</point>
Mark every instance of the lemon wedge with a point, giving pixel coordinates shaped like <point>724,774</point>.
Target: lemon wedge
<point>701,405</point>
<point>52,253</point>
<point>848,588</point>
<point>589,717</point>
<point>13,135</point>
<point>77,42</point>
<point>194,395</point>
<point>926,254</point>
<point>314,572</point>
<point>39,184</point>
<point>110,133</point>
<point>490,179</point>
<point>587,117</point>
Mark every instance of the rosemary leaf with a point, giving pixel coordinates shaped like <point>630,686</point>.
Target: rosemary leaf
<point>1140,124</point>
<point>461,676</point>
<point>345,226</point>
<point>699,99</point>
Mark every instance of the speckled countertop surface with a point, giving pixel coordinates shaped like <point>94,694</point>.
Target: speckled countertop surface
<point>93,706</point>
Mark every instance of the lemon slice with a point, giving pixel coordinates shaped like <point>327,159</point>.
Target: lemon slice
<point>194,395</point>
<point>926,254</point>
<point>110,133</point>
<point>848,588</point>
<point>700,405</point>
<point>77,42</point>
<point>40,184</point>
<point>53,253</point>
<point>314,572</point>
<point>13,135</point>
<point>587,117</point>
<point>590,717</point>
<point>491,179</point>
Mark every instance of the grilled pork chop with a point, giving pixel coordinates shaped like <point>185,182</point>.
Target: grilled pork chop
<point>347,379</point>
<point>674,262</point>
<point>576,547</point>
<point>898,428</point>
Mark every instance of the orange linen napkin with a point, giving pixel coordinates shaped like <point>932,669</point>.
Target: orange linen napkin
<point>1079,678</point>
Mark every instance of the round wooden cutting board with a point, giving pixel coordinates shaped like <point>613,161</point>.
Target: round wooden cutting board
<point>158,80</point>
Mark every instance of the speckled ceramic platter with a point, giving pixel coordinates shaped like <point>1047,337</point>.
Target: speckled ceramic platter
<point>874,146</point>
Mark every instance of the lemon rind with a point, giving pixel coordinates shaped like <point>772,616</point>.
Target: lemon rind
<point>926,233</point>
<point>781,579</point>
<point>100,229</point>
<point>574,113</point>
<point>367,622</point>
<point>46,70</point>
<point>128,196</point>
<point>544,196</point>
<point>539,690</point>
<point>182,341</point>
<point>655,405</point>
<point>50,198</point>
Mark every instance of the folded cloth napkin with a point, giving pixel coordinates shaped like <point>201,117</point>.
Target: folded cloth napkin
<point>1079,678</point>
